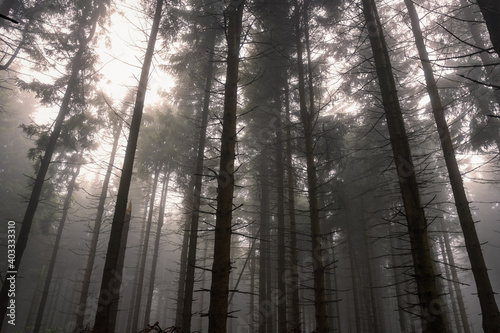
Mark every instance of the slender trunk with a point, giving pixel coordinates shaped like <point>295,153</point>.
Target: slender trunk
<point>144,253</point>
<point>195,212</point>
<point>489,308</point>
<point>432,316</point>
<point>280,175</point>
<point>374,322</point>
<point>111,279</point>
<point>456,281</point>
<point>265,303</point>
<point>203,282</point>
<point>183,262</point>
<point>251,311</point>
<point>76,67</point>
<point>250,252</point>
<point>353,262</point>
<point>451,287</point>
<point>294,278</point>
<point>491,14</point>
<point>217,313</point>
<point>52,263</point>
<point>121,255</point>
<point>138,262</point>
<point>270,316</point>
<point>307,118</point>
<point>84,293</point>
<point>156,249</point>
<point>396,268</point>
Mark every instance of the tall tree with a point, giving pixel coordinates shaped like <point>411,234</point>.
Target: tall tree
<point>87,275</point>
<point>431,313</point>
<point>85,30</point>
<point>195,213</point>
<point>144,252</point>
<point>105,320</point>
<point>221,267</point>
<point>156,248</point>
<point>295,321</point>
<point>489,308</point>
<point>308,118</point>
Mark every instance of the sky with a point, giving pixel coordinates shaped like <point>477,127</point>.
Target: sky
<point>120,60</point>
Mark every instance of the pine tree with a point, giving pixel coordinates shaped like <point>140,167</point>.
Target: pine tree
<point>490,313</point>
<point>105,319</point>
<point>432,315</point>
<point>82,36</point>
<point>221,267</point>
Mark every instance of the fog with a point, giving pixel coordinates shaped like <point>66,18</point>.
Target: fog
<point>249,166</point>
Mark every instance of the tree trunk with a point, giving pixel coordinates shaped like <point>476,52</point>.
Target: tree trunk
<point>265,303</point>
<point>52,263</point>
<point>396,268</point>
<point>432,316</point>
<point>121,255</point>
<point>451,287</point>
<point>183,261</point>
<point>251,311</point>
<point>280,175</point>
<point>217,313</point>
<point>489,308</point>
<point>144,252</point>
<point>195,212</point>
<point>456,280</point>
<point>491,14</point>
<point>307,118</point>
<point>161,214</point>
<point>76,67</point>
<point>138,262</point>
<point>295,322</point>
<point>111,279</point>
<point>84,293</point>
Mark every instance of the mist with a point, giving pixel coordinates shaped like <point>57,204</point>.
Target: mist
<point>249,166</point>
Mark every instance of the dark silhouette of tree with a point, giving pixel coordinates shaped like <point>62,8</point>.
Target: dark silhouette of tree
<point>105,319</point>
<point>82,36</point>
<point>490,313</point>
<point>221,267</point>
<point>308,119</point>
<point>432,315</point>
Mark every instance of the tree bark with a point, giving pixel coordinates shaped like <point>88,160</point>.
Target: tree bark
<point>52,263</point>
<point>295,321</point>
<point>138,262</point>
<point>265,302</point>
<point>280,175</point>
<point>456,280</point>
<point>111,279</point>
<point>432,316</point>
<point>144,252</point>
<point>195,212</point>
<point>491,14</point>
<point>221,268</point>
<point>308,118</point>
<point>183,261</point>
<point>161,214</point>
<point>489,308</point>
